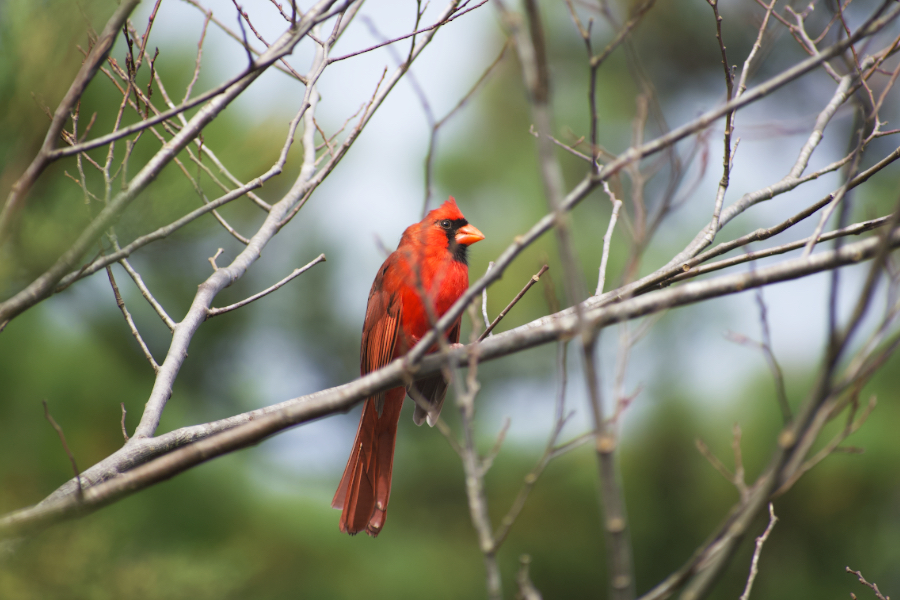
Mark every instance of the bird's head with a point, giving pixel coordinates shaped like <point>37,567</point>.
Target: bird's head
<point>447,222</point>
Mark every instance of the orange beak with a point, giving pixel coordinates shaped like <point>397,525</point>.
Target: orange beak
<point>468,235</point>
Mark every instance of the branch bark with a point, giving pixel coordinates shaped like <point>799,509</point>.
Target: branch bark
<point>145,462</point>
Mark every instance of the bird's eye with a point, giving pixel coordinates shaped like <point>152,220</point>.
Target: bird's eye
<point>445,224</point>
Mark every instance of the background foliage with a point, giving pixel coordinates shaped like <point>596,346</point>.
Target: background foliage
<point>258,523</point>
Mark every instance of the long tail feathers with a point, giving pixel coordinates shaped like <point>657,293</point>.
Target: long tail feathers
<point>365,487</point>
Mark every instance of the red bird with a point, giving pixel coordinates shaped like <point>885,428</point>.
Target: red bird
<point>431,258</point>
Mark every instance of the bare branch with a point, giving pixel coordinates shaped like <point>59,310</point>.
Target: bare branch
<point>147,459</point>
<point>121,304</point>
<point>623,33</point>
<point>146,293</point>
<point>474,471</point>
<point>526,589</point>
<point>124,413</point>
<point>446,18</point>
<point>682,261</point>
<point>432,140</point>
<point>713,460</point>
<point>534,279</point>
<point>855,229</point>
<point>144,462</point>
<point>729,128</point>
<point>213,312</point>
<point>607,237</point>
<point>222,93</point>
<point>89,67</point>
<point>44,285</point>
<point>745,70</point>
<point>851,427</point>
<point>838,196</point>
<point>484,313</point>
<point>551,451</point>
<point>586,185</point>
<point>754,562</point>
<point>871,586</point>
<point>231,33</point>
<point>212,259</point>
<point>62,439</point>
<point>196,75</point>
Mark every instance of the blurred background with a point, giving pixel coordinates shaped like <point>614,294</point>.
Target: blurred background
<point>258,523</point>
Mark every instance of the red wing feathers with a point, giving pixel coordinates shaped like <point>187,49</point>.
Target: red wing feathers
<point>379,337</point>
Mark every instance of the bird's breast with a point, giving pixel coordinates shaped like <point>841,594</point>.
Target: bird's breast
<point>443,284</point>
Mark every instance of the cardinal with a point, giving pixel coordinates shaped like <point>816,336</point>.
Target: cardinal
<point>428,268</point>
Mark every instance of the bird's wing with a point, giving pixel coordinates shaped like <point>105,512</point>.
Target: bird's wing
<point>380,330</point>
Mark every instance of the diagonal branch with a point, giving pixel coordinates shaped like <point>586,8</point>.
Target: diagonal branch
<point>89,68</point>
<point>213,312</point>
<point>141,463</point>
<point>134,331</point>
<point>43,286</point>
<point>534,279</point>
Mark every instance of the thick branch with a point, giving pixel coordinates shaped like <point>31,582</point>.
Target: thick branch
<point>167,455</point>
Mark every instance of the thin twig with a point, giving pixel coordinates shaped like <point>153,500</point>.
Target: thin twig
<point>484,313</point>
<point>124,430</point>
<point>62,438</point>
<point>754,562</point>
<point>551,451</point>
<point>232,34</point>
<point>745,70</point>
<point>851,427</point>
<point>769,353</point>
<point>213,312</point>
<point>729,128</point>
<point>841,192</point>
<point>691,272</point>
<point>717,464</point>
<point>739,481</point>
<point>138,280</point>
<point>474,471</point>
<point>526,589</point>
<point>871,586</point>
<point>623,33</point>
<point>607,237</point>
<point>432,140</point>
<point>443,21</point>
<point>205,150</point>
<point>99,51</point>
<point>134,331</point>
<point>488,460</point>
<point>243,13</point>
<point>682,263</point>
<point>534,279</point>
<point>196,75</point>
<point>212,259</point>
